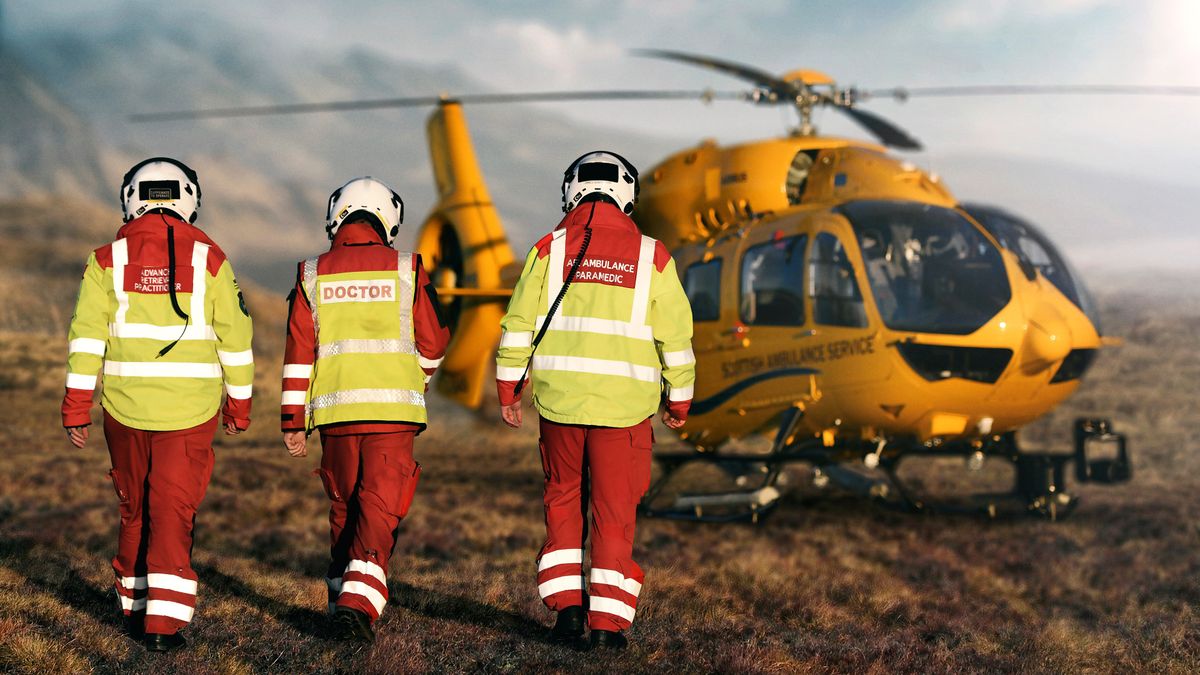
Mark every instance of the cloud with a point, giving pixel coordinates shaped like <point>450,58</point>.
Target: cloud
<point>955,15</point>
<point>513,53</point>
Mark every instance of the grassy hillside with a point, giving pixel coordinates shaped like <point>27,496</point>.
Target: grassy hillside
<point>829,583</point>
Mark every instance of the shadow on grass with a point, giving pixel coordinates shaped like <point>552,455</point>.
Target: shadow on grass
<point>306,621</point>
<point>436,605</point>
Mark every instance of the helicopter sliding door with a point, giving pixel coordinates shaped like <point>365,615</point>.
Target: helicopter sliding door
<point>844,333</point>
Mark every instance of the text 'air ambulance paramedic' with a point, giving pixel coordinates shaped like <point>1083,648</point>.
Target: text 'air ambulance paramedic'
<point>160,314</point>
<point>600,322</point>
<point>364,338</point>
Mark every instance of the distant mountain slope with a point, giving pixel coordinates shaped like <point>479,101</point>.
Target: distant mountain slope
<point>45,147</point>
<point>266,179</point>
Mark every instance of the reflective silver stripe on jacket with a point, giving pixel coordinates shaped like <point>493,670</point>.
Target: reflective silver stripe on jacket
<point>310,290</point>
<point>366,347</point>
<point>352,396</point>
<point>404,270</point>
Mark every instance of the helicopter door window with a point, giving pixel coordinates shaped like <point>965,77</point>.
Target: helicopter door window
<point>702,284</point>
<point>797,175</point>
<point>773,283</point>
<point>837,300</point>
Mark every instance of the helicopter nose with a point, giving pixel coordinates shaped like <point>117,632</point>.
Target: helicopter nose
<point>1047,340</point>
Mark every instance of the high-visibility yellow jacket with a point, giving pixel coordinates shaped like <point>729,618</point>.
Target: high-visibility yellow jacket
<point>622,333</point>
<point>364,337</point>
<point>124,319</point>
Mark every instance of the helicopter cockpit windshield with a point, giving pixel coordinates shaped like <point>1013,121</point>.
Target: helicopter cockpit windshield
<point>1036,254</point>
<point>930,269</point>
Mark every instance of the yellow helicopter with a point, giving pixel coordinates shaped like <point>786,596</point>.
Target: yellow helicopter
<point>843,299</point>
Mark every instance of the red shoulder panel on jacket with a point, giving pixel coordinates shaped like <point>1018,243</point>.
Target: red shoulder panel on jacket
<point>661,256</point>
<point>543,245</point>
<point>104,256</point>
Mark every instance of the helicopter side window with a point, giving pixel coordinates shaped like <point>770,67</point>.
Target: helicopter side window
<point>773,283</point>
<point>837,300</point>
<point>797,175</point>
<point>702,284</point>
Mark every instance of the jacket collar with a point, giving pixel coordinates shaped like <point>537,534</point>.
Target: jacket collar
<point>356,234</point>
<point>156,223</point>
<point>606,215</point>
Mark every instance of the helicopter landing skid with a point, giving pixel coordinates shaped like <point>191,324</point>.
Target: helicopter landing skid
<point>1039,488</point>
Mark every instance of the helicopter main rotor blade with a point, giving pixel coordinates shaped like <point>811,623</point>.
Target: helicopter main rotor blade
<point>760,77</point>
<point>903,93</point>
<point>705,95</point>
<point>889,134</point>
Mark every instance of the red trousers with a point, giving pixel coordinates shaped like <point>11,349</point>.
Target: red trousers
<point>608,470</point>
<point>370,480</point>
<point>160,478</point>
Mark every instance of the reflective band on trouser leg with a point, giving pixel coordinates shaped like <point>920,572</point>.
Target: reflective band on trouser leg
<point>613,593</point>
<point>170,602</point>
<point>561,571</point>
<point>364,587</point>
<point>131,594</point>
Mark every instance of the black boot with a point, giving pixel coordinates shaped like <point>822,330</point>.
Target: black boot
<point>608,639</point>
<point>568,629</point>
<point>163,642</point>
<point>351,624</point>
<point>135,626</point>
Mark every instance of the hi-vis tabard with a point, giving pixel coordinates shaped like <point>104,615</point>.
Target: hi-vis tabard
<point>623,330</point>
<point>366,366</point>
<point>124,319</point>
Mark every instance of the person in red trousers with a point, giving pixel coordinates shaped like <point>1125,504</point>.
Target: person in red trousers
<point>364,338</point>
<point>161,319</point>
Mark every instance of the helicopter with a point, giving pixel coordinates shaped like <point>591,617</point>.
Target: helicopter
<point>845,303</point>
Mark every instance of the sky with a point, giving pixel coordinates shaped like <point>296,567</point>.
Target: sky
<point>583,44</point>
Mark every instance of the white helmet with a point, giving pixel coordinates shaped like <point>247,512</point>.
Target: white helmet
<point>603,172</point>
<point>366,197</point>
<point>160,183</point>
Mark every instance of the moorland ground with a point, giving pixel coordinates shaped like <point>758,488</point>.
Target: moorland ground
<point>828,583</point>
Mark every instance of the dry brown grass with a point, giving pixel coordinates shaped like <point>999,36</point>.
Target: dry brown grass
<point>829,583</point>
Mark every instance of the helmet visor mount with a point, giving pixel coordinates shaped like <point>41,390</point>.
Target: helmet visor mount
<point>163,185</point>
<point>603,174</point>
